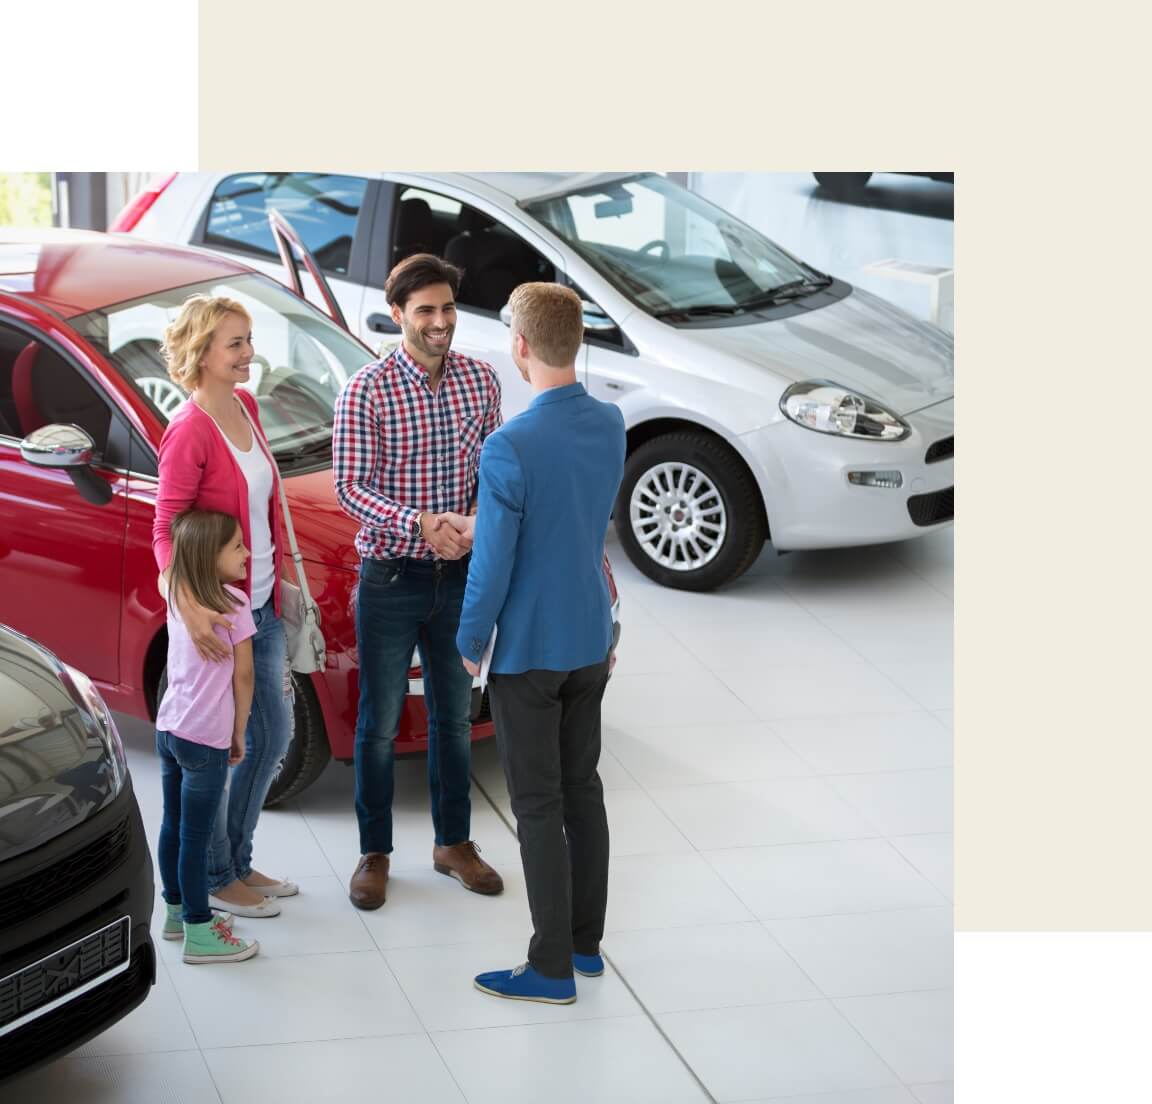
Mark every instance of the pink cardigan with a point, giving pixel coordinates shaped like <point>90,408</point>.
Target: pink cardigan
<point>197,469</point>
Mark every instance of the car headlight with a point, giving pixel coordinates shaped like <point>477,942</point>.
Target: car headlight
<point>829,408</point>
<point>105,730</point>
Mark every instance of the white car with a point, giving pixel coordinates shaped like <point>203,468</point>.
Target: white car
<point>764,400</point>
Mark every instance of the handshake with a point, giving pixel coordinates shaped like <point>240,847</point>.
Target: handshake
<point>449,534</point>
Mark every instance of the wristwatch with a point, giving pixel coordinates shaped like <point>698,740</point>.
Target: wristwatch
<point>417,526</point>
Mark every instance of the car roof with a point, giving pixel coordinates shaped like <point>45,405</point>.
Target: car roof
<point>71,272</point>
<point>524,188</point>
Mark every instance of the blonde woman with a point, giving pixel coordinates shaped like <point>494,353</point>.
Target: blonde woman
<point>214,456</point>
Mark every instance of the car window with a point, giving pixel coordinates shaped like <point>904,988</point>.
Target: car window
<point>38,387</point>
<point>323,208</point>
<point>667,249</point>
<point>495,260</point>
<point>302,359</point>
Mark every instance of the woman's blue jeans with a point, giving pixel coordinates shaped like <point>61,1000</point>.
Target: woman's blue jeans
<point>266,741</point>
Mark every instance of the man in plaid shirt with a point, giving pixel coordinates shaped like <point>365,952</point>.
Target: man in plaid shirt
<point>406,451</point>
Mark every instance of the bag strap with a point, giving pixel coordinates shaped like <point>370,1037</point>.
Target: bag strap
<point>293,547</point>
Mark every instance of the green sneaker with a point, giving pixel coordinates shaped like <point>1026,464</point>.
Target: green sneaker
<point>214,941</point>
<point>174,922</point>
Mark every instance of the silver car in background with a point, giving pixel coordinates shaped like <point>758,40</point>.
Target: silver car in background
<point>764,400</point>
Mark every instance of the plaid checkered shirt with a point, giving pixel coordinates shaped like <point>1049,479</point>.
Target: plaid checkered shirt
<point>398,449</point>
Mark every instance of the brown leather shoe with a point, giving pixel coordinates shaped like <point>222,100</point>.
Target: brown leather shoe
<point>367,889</point>
<point>462,861</point>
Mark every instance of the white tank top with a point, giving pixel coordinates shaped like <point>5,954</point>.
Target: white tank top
<point>258,474</point>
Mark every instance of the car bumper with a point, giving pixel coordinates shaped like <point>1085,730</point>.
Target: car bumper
<point>812,504</point>
<point>75,950</point>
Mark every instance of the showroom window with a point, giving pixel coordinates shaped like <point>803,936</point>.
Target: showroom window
<point>494,259</point>
<point>324,209</point>
<point>38,387</point>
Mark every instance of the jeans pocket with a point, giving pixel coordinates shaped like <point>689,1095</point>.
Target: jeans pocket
<point>380,572</point>
<point>190,755</point>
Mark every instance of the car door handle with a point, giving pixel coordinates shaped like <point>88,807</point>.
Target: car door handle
<point>382,323</point>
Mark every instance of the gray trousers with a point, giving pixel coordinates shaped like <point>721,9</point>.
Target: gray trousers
<point>548,734</point>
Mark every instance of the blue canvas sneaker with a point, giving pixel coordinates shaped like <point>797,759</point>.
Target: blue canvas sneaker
<point>588,965</point>
<point>525,983</point>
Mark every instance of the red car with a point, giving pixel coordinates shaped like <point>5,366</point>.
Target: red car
<point>81,319</point>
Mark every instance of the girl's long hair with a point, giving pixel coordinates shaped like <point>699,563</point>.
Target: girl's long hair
<point>197,539</point>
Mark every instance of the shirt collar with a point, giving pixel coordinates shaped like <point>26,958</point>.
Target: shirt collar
<point>558,394</point>
<point>417,370</point>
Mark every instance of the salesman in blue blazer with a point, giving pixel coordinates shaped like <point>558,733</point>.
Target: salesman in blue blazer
<point>548,479</point>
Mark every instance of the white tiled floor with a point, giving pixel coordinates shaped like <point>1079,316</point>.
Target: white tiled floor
<point>777,768</point>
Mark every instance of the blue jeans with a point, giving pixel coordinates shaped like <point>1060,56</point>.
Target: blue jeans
<point>402,605</point>
<point>266,741</point>
<point>192,777</point>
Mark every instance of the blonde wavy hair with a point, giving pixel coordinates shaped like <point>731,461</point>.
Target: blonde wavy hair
<point>187,339</point>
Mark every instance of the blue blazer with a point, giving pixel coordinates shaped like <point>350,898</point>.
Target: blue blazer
<point>548,478</point>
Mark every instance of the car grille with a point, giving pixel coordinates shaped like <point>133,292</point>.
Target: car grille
<point>941,450</point>
<point>930,509</point>
<point>56,975</point>
<point>62,1028</point>
<point>24,899</point>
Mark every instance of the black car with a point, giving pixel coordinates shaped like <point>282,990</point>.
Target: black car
<point>76,886</point>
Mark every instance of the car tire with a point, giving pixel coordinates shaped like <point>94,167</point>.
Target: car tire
<point>843,184</point>
<point>725,515</point>
<point>308,752</point>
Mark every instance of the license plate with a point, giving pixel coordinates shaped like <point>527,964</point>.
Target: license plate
<point>63,975</point>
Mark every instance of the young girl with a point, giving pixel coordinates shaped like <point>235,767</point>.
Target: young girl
<point>200,727</point>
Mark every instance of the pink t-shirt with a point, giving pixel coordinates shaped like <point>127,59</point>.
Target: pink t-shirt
<point>199,705</point>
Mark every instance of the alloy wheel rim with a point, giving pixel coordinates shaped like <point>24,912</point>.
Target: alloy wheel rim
<point>678,516</point>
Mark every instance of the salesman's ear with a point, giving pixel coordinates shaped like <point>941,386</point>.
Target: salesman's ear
<point>521,346</point>
<point>397,314</point>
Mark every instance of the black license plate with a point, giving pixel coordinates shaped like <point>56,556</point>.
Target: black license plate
<point>63,975</point>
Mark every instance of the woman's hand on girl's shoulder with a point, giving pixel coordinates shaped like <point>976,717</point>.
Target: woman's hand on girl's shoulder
<point>201,623</point>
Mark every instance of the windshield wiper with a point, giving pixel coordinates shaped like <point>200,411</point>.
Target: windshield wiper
<point>794,289</point>
<point>700,309</point>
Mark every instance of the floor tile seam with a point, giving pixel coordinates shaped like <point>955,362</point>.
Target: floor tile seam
<point>316,839</point>
<point>912,866</point>
<point>843,1015</point>
<point>824,998</point>
<point>848,644</point>
<point>612,1016</point>
<point>375,1036</point>
<point>860,1035</point>
<point>857,807</point>
<point>736,893</point>
<point>706,851</point>
<point>861,912</point>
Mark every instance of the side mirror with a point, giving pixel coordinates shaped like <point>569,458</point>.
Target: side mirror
<point>58,446</point>
<point>69,448</point>
<point>595,320</point>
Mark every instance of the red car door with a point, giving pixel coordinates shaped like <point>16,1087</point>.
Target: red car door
<point>61,557</point>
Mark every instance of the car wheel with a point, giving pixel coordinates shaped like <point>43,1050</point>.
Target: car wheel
<point>843,184</point>
<point>308,753</point>
<point>689,513</point>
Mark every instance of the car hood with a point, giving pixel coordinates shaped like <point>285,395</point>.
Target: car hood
<point>861,341</point>
<point>55,771</point>
<point>325,533</point>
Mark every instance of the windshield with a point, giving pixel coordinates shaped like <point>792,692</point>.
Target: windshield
<point>302,358</point>
<point>666,249</point>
